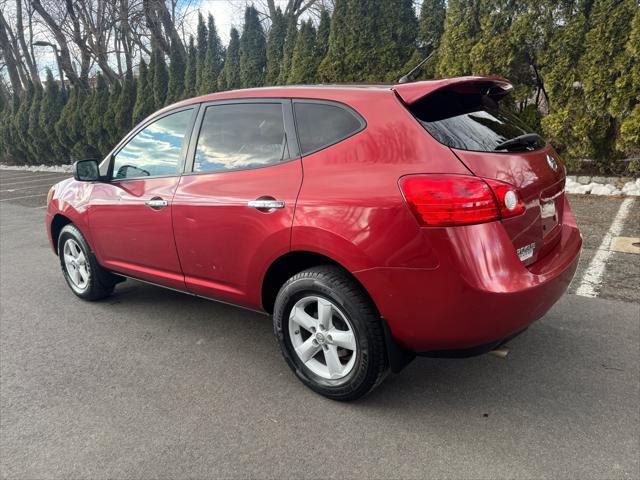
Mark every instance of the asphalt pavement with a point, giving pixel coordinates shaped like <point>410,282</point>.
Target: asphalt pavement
<point>151,383</point>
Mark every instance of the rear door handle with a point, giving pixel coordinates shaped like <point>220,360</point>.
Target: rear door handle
<point>266,204</point>
<point>156,203</point>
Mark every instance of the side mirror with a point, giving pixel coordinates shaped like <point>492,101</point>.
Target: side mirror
<point>86,171</point>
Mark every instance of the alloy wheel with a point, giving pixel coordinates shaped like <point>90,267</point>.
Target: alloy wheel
<point>322,337</point>
<point>76,264</point>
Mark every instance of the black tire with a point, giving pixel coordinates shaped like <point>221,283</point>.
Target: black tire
<point>100,282</point>
<point>334,284</point>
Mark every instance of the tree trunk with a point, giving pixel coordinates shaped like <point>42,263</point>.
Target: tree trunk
<point>29,60</point>
<point>65,56</point>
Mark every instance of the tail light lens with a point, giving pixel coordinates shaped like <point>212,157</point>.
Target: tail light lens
<point>453,200</point>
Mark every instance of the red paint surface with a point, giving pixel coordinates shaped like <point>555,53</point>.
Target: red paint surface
<point>438,288</point>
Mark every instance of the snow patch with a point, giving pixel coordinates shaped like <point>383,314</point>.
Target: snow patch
<point>38,168</point>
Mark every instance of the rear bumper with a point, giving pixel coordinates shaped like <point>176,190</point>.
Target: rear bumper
<point>480,293</point>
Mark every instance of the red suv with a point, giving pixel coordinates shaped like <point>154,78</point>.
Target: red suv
<point>373,222</point>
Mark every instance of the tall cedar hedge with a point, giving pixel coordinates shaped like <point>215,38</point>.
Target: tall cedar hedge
<point>574,63</point>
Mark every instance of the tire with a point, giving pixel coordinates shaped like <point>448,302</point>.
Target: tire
<point>80,269</point>
<point>353,333</point>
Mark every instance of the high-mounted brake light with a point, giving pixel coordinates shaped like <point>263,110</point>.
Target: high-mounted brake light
<point>453,200</point>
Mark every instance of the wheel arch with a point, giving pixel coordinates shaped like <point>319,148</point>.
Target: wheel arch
<point>58,222</point>
<point>290,263</point>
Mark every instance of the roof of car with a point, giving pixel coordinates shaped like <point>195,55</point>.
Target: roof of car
<point>339,91</point>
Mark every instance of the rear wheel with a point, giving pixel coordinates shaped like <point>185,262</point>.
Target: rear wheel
<point>330,333</point>
<point>85,277</point>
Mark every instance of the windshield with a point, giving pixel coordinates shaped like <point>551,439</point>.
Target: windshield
<point>470,121</point>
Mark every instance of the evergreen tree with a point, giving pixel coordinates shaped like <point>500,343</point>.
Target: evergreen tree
<point>610,25</point>
<point>214,60</point>
<point>175,87</point>
<point>95,133</point>
<point>52,103</point>
<point>626,100</point>
<point>190,71</point>
<point>8,149</point>
<point>287,50</point>
<point>160,79</point>
<point>431,24</point>
<point>21,123</point>
<point>62,126</point>
<point>253,51</point>
<point>275,46</point>
<point>304,63</point>
<point>324,30</point>
<point>461,28</point>
<point>230,77</point>
<point>395,42</point>
<point>36,142</point>
<point>560,72</point>
<point>81,149</point>
<point>145,104</point>
<point>376,50</point>
<point>201,51</point>
<point>124,108</point>
<point>109,123</point>
<point>333,67</point>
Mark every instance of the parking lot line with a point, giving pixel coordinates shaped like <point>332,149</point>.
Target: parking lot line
<point>592,277</point>
<point>26,196</point>
<point>40,179</point>
<point>21,188</point>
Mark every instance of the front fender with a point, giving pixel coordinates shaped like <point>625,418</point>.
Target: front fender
<point>71,199</point>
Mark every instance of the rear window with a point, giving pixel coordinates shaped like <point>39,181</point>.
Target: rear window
<point>323,124</point>
<point>470,121</point>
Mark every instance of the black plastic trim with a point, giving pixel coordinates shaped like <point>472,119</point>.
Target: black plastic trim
<point>469,352</point>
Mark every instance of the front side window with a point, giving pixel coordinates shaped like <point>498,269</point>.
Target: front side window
<point>155,150</point>
<point>323,124</point>
<point>239,136</point>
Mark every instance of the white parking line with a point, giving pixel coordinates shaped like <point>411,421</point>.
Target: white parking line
<point>26,196</point>
<point>40,179</point>
<point>22,188</point>
<point>17,176</point>
<point>592,277</point>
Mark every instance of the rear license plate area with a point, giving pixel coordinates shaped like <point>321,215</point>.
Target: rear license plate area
<point>549,216</point>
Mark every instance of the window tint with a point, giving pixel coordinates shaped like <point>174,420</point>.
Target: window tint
<point>321,125</point>
<point>155,150</point>
<point>242,135</point>
<point>471,122</point>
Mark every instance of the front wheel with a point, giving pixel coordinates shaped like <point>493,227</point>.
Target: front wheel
<point>330,333</point>
<point>85,277</point>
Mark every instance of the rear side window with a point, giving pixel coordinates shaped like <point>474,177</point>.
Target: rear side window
<point>323,124</point>
<point>240,136</point>
<point>471,121</point>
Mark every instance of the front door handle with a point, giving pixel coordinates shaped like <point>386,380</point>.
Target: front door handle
<point>264,204</point>
<point>156,203</point>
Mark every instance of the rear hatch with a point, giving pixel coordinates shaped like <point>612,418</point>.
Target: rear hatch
<point>469,115</point>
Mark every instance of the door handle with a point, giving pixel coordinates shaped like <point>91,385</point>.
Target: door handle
<point>156,203</point>
<point>266,204</point>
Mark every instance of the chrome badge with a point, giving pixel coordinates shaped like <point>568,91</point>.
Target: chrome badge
<point>552,163</point>
<point>526,252</point>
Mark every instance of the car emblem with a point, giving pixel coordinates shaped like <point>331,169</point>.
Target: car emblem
<point>552,163</point>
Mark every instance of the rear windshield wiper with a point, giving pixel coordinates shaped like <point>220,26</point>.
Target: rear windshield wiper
<point>527,140</point>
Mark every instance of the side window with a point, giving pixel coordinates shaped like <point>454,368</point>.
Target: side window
<point>155,150</point>
<point>323,124</point>
<point>240,136</point>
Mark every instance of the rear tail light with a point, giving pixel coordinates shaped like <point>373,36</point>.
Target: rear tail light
<point>452,200</point>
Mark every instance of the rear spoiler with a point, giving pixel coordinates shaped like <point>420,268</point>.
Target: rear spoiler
<point>495,87</point>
